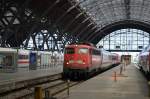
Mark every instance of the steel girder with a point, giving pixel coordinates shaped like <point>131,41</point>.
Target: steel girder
<point>26,18</point>
<point>82,20</point>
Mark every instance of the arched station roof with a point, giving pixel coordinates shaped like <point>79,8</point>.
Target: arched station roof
<point>88,20</point>
<point>111,15</point>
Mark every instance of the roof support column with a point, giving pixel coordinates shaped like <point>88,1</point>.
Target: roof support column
<point>127,8</point>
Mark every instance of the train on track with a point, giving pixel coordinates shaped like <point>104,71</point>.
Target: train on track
<point>84,59</point>
<point>24,60</point>
<point>144,61</point>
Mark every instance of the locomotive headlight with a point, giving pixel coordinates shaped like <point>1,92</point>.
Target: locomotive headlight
<point>80,62</point>
<point>71,61</point>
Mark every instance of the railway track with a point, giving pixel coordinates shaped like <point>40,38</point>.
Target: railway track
<point>49,89</point>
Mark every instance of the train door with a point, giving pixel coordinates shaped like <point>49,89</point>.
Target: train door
<point>33,61</point>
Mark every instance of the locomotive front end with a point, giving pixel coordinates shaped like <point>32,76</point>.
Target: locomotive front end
<point>76,61</point>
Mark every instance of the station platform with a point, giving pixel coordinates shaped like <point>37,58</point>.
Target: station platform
<point>130,84</point>
<point>11,81</point>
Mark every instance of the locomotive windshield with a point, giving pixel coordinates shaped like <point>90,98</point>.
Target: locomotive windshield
<point>83,51</point>
<point>69,51</point>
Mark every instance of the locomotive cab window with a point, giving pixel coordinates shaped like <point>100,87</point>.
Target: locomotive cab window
<point>83,51</point>
<point>69,51</point>
<point>96,52</point>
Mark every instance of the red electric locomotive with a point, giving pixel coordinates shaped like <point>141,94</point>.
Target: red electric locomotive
<point>82,59</point>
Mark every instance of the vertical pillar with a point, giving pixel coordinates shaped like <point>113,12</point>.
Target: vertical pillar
<point>121,69</point>
<point>115,76</point>
<point>103,42</point>
<point>126,38</point>
<point>68,85</point>
<point>137,39</point>
<point>143,40</point>
<point>149,38</point>
<point>16,61</point>
<point>109,42</point>
<point>120,41</point>
<point>38,93</point>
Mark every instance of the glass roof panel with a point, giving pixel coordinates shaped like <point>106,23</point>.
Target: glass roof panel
<point>125,39</point>
<point>105,12</point>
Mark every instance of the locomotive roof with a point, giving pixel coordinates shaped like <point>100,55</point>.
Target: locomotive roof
<point>83,43</point>
<point>76,45</point>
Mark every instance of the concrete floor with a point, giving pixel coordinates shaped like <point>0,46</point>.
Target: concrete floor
<point>130,84</point>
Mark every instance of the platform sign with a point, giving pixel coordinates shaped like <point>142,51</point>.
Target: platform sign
<point>32,61</point>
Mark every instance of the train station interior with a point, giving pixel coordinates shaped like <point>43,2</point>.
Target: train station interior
<point>74,49</point>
